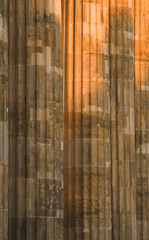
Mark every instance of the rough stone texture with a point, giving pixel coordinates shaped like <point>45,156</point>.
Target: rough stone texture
<point>105,83</point>
<point>36,119</point>
<point>87,163</point>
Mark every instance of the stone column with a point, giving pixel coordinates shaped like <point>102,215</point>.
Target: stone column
<point>35,122</point>
<point>99,132</point>
<point>87,166</point>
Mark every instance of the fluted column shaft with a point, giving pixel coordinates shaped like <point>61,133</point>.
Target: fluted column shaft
<point>87,166</point>
<point>36,119</point>
<point>99,132</point>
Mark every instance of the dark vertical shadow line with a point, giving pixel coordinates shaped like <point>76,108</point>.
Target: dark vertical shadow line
<point>73,217</point>
<point>63,13</point>
<point>141,121</point>
<point>82,120</point>
<point>146,97</point>
<point>9,136</point>
<point>36,94</point>
<point>90,118</point>
<point>97,112</point>
<point>66,187</point>
<point>74,169</point>
<point>128,72</point>
<point>125,111</point>
<point>26,120</point>
<point>4,102</point>
<point>112,232</point>
<point>45,99</point>
<point>123,58</point>
<point>54,101</point>
<point>117,110</point>
<point>16,116</point>
<point>134,65</point>
<point>104,121</point>
<point>146,111</point>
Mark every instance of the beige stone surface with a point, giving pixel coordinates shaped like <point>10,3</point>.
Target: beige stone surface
<point>35,121</point>
<point>74,120</point>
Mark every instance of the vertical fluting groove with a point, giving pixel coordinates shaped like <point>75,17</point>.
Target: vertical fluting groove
<point>74,215</point>
<point>141,205</point>
<point>15,119</point>
<point>120,112</point>
<point>54,136</point>
<point>137,115</point>
<point>86,122</point>
<point>25,26</point>
<point>140,132</point>
<point>12,122</point>
<point>126,110</point>
<point>128,193</point>
<point>101,128</point>
<point>104,120</point>
<point>36,93</point>
<point>144,127</point>
<point>77,120</point>
<point>17,122</point>
<point>9,136</point>
<point>111,185</point>
<point>90,133</point>
<point>31,132</point>
<point>103,100</point>
<point>20,119</point>
<point>123,76</point>
<point>116,120</point>
<point>147,64</point>
<point>89,217</point>
<point>40,130</point>
<point>147,114</point>
<point>93,113</point>
<point>135,173</point>
<point>146,152</point>
<point>82,66</point>
<point>123,54</point>
<point>4,147</point>
<point>97,160</point>
<point>66,121</point>
<point>115,217</point>
<point>129,229</point>
<point>69,151</point>
<point>99,105</point>
<point>141,118</point>
<point>45,119</point>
